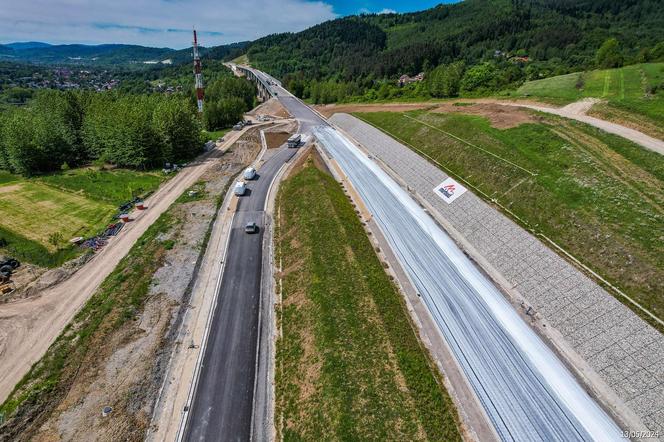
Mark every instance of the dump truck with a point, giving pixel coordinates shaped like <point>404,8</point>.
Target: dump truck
<point>294,140</point>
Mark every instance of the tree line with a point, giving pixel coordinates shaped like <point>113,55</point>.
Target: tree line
<point>362,56</point>
<point>457,78</point>
<point>226,101</point>
<point>65,129</point>
<point>129,127</point>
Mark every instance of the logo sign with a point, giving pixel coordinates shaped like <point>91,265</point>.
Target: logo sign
<point>449,190</point>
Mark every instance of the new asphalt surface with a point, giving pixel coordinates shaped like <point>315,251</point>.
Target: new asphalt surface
<point>222,406</point>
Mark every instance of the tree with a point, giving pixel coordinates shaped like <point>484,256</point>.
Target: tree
<point>479,78</point>
<point>223,113</point>
<point>445,80</point>
<point>657,52</point>
<point>178,129</point>
<point>609,54</point>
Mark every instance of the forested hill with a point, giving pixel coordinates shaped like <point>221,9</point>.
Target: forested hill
<point>564,33</point>
<point>106,54</point>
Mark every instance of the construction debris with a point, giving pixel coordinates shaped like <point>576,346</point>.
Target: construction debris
<point>7,268</point>
<point>99,241</point>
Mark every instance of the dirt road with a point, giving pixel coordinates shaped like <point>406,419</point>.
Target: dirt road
<point>29,326</point>
<point>491,108</point>
<point>577,111</point>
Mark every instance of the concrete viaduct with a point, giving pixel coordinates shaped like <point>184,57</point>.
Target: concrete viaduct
<point>264,92</point>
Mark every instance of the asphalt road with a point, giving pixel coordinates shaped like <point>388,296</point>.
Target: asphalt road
<point>222,406</point>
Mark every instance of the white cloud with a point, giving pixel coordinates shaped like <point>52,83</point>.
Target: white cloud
<point>160,23</point>
<point>383,11</point>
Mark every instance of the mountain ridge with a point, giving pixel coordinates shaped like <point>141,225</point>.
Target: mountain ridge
<point>105,54</point>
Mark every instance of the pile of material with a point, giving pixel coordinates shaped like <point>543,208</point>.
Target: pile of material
<point>127,206</point>
<point>99,241</point>
<point>7,267</point>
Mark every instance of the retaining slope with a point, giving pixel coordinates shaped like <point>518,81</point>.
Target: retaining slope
<point>626,352</point>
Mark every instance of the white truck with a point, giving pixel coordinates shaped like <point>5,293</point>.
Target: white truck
<point>294,140</point>
<point>240,188</point>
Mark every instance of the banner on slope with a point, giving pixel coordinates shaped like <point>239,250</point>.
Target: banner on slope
<point>449,190</point>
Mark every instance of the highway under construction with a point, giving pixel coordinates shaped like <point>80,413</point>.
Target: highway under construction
<point>525,391</point>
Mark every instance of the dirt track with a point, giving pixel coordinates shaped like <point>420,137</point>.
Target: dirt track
<point>29,326</point>
<point>500,115</point>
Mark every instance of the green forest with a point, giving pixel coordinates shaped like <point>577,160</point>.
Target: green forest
<point>58,130</point>
<point>47,130</point>
<point>469,48</point>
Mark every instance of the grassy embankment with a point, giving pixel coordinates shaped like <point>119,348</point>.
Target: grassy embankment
<point>626,91</point>
<point>349,365</point>
<point>39,215</point>
<point>597,195</point>
<point>242,59</point>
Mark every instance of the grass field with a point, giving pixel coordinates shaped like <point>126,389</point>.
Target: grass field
<point>349,365</point>
<point>597,195</point>
<point>215,134</point>
<point>39,215</point>
<point>242,59</point>
<point>36,211</point>
<point>624,89</point>
<point>112,186</point>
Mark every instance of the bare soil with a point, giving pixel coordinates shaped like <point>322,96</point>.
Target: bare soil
<point>271,107</point>
<point>500,116</point>
<point>275,139</point>
<point>329,109</point>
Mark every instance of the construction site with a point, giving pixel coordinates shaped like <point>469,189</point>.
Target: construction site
<point>133,340</point>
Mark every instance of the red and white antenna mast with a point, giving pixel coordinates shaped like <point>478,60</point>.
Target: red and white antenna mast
<point>198,75</point>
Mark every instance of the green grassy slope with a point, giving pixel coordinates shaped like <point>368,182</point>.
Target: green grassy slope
<point>597,195</point>
<point>634,94</point>
<point>349,365</point>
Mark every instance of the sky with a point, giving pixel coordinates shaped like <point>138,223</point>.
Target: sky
<point>168,23</point>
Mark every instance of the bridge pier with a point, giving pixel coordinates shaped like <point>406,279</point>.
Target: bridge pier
<point>264,93</point>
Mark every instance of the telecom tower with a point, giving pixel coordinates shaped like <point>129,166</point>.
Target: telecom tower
<point>198,75</point>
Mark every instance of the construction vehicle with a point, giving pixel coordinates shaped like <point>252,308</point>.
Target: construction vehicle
<point>294,140</point>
